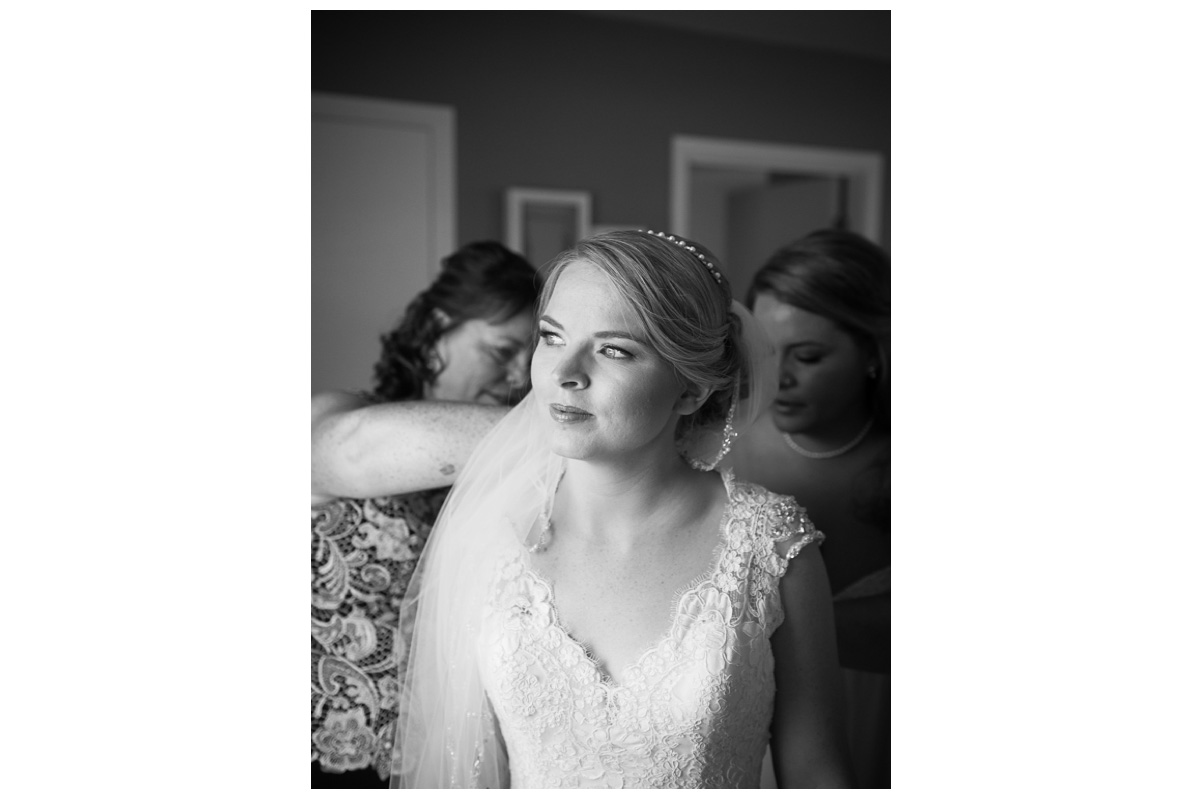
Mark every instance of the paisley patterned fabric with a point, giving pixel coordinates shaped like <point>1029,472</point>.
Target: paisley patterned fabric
<point>363,554</point>
<point>692,712</point>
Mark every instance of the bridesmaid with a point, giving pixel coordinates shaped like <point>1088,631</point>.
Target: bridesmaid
<point>825,303</point>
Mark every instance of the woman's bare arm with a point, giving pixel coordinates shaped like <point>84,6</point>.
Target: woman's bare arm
<point>808,740</point>
<point>362,450</point>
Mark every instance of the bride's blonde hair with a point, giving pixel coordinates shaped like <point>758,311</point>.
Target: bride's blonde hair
<point>684,308</point>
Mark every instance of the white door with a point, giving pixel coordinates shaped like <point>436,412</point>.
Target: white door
<point>764,218</point>
<point>382,218</point>
<point>745,199</point>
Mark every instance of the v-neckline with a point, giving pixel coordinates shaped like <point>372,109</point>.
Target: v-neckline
<point>606,678</point>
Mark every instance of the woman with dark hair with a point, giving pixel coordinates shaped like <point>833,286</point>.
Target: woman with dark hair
<point>456,339</point>
<point>825,304</point>
<point>466,338</point>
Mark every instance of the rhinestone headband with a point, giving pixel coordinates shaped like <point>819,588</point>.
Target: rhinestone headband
<point>680,241</point>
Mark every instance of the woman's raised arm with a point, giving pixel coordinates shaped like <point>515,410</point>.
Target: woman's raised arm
<point>371,450</point>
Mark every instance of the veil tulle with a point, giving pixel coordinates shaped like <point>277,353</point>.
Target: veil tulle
<point>446,735</point>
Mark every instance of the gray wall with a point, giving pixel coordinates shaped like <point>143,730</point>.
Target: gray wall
<point>564,100</point>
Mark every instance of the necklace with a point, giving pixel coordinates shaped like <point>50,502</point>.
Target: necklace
<point>846,448</point>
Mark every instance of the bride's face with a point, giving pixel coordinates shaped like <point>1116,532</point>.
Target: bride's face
<point>598,385</point>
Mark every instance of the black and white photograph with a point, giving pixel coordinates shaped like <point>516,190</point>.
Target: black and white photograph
<point>617,328</point>
<point>600,505</point>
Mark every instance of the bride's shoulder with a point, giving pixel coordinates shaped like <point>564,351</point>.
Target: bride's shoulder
<point>753,495</point>
<point>773,516</point>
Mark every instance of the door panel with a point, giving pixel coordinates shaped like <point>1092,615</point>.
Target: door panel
<point>379,192</point>
<point>763,219</point>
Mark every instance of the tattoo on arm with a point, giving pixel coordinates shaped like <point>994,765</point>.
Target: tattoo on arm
<point>447,469</point>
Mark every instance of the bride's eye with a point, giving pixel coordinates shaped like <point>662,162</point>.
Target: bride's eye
<point>549,337</point>
<point>615,352</point>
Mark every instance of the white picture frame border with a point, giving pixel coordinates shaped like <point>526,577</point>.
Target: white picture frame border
<point>516,198</point>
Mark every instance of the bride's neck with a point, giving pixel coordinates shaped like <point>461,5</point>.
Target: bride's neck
<point>625,497</point>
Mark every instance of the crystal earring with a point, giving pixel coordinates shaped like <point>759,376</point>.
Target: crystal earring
<point>727,437</point>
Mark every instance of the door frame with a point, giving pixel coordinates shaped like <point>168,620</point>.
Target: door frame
<point>437,123</point>
<point>863,168</point>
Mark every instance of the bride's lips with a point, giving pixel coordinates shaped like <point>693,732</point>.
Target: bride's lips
<point>561,413</point>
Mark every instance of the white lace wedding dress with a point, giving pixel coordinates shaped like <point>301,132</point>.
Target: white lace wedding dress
<point>692,712</point>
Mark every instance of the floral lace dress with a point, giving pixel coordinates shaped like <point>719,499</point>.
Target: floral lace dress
<point>693,711</point>
<point>363,554</point>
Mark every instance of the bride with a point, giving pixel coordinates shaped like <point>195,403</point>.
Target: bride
<point>597,606</point>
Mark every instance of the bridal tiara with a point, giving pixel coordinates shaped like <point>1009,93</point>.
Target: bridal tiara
<point>690,248</point>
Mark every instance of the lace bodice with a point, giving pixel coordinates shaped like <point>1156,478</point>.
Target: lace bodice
<point>692,712</point>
